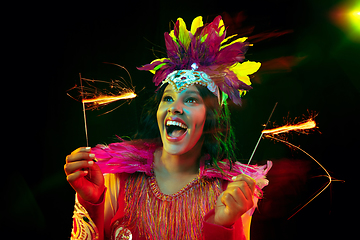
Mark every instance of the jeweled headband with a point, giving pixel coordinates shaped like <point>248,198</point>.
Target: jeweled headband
<point>181,79</point>
<point>204,56</point>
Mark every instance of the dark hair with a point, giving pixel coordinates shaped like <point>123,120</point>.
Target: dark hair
<point>219,139</point>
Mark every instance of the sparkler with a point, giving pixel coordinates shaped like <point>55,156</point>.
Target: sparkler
<point>301,127</point>
<point>93,97</point>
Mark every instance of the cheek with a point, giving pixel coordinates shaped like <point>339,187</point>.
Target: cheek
<point>160,115</point>
<point>200,116</point>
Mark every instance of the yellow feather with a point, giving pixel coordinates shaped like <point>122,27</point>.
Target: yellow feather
<point>196,23</point>
<point>243,39</point>
<point>244,79</point>
<point>222,27</point>
<point>229,37</point>
<point>243,69</point>
<point>172,35</point>
<point>184,36</point>
<point>242,93</point>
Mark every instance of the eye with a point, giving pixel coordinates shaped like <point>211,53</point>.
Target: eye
<point>168,99</point>
<point>192,100</point>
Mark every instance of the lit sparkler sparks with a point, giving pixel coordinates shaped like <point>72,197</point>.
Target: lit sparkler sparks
<point>96,94</point>
<point>101,100</point>
<point>300,127</point>
<point>96,97</point>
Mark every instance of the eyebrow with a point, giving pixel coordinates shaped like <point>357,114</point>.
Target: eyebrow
<point>190,92</point>
<point>196,92</point>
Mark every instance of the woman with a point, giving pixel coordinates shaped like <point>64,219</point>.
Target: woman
<point>179,180</point>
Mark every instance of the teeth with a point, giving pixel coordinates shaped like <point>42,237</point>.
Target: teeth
<point>174,123</point>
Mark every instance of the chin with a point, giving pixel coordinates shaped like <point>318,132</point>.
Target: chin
<point>181,147</point>
<point>174,150</point>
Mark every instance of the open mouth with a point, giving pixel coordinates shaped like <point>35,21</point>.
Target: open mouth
<point>175,129</point>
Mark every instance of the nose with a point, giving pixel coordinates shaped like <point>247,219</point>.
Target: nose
<point>175,108</point>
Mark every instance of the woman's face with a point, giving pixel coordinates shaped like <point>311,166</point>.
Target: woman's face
<point>181,117</point>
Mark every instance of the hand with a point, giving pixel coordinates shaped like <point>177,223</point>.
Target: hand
<point>84,175</point>
<point>236,200</point>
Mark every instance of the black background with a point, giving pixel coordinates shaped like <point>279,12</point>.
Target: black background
<point>50,44</point>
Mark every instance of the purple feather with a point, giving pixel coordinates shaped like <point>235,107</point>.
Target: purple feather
<point>171,47</point>
<point>162,73</point>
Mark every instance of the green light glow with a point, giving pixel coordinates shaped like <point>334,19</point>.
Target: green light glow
<point>346,16</point>
<point>354,19</point>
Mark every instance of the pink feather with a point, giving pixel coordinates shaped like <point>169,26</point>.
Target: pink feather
<point>138,156</point>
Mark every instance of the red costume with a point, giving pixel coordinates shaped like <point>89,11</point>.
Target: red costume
<point>133,207</point>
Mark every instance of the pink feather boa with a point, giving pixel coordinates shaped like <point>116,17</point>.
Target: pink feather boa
<point>138,156</point>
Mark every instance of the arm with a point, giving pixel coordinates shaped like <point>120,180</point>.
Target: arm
<point>212,231</point>
<point>90,218</point>
<point>87,180</point>
<point>230,219</point>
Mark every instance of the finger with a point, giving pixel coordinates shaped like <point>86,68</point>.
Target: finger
<point>81,149</point>
<point>79,156</point>
<point>76,175</point>
<point>76,166</point>
<point>241,193</point>
<point>244,193</point>
<point>237,194</point>
<point>249,180</point>
<point>230,203</point>
<point>93,167</point>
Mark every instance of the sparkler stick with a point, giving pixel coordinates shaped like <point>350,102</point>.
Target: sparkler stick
<point>84,111</point>
<point>257,144</point>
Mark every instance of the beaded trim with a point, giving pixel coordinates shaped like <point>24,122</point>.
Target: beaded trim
<point>155,215</point>
<point>164,197</point>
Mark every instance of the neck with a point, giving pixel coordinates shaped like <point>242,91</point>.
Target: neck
<point>177,165</point>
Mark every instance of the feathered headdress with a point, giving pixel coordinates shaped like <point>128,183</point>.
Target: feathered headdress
<point>204,56</point>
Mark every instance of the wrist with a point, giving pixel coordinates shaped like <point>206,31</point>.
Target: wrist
<point>212,220</point>
<point>94,198</point>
